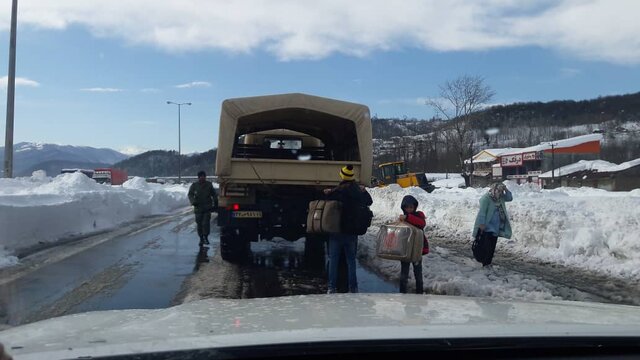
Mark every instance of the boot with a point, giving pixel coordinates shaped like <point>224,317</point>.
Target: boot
<point>206,240</point>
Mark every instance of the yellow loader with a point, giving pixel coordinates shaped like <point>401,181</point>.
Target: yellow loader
<point>396,173</point>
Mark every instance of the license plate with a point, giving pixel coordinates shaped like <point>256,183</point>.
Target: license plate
<point>247,214</point>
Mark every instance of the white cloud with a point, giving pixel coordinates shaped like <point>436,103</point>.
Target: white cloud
<point>102,90</point>
<point>291,29</point>
<point>132,150</point>
<point>194,84</point>
<point>20,81</point>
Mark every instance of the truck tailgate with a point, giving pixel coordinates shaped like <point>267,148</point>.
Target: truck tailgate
<point>290,172</point>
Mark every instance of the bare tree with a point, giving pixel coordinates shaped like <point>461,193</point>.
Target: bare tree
<point>459,101</point>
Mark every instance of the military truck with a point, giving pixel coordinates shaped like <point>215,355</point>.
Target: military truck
<point>275,154</point>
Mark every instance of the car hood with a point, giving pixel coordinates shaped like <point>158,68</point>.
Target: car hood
<point>219,323</point>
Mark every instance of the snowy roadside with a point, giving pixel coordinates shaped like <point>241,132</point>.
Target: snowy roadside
<point>598,286</point>
<point>446,273</point>
<point>579,228</point>
<point>40,209</point>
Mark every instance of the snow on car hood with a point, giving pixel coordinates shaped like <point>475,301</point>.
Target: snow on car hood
<point>218,323</point>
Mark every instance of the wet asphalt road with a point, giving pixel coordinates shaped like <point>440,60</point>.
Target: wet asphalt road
<point>141,270</point>
<point>146,269</point>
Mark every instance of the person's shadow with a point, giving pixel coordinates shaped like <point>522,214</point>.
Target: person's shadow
<point>202,257</point>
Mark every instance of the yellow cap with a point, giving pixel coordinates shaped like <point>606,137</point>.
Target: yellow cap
<point>347,173</point>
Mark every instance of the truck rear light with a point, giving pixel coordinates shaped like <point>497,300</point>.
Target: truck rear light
<point>235,207</point>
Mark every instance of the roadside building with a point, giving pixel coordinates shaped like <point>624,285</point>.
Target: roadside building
<point>597,174</point>
<point>482,163</point>
<point>525,165</point>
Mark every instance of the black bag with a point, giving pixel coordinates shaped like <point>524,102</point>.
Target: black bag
<point>481,247</point>
<point>359,221</point>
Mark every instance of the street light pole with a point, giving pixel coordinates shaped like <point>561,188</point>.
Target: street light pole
<point>11,86</point>
<point>179,139</point>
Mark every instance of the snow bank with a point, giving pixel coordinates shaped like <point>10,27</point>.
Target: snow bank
<point>41,209</point>
<point>585,227</point>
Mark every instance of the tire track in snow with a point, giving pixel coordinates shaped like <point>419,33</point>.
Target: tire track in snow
<point>600,287</point>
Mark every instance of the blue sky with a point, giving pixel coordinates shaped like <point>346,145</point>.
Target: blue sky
<point>95,79</point>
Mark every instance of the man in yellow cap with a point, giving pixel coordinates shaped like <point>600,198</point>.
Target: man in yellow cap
<point>353,198</point>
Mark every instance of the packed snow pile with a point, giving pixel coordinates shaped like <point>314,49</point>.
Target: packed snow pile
<point>41,209</point>
<point>584,227</point>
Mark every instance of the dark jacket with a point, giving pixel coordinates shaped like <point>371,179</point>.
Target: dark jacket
<point>350,194</point>
<point>202,196</point>
<point>352,197</point>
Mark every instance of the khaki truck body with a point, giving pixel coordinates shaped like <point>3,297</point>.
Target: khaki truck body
<point>276,154</point>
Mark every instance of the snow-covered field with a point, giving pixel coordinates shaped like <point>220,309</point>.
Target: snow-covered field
<point>445,180</point>
<point>41,209</point>
<point>440,176</point>
<point>583,228</point>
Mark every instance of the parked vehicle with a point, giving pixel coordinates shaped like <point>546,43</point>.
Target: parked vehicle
<point>276,154</point>
<point>110,176</point>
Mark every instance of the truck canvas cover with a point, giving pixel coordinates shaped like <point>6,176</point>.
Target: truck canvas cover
<point>335,122</point>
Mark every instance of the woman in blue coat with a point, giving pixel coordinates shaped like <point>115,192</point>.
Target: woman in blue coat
<point>492,220</point>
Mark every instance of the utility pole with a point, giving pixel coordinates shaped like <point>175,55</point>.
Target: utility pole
<point>553,165</point>
<point>11,86</point>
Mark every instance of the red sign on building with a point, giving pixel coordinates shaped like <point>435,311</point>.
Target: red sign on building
<point>530,156</point>
<point>511,160</point>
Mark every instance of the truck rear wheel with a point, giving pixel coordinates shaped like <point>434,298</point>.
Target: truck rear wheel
<point>235,244</point>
